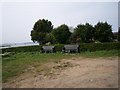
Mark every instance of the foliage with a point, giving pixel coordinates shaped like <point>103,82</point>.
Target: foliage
<point>115,35</point>
<point>82,33</point>
<point>83,47</point>
<point>41,27</point>
<point>43,32</point>
<point>99,46</point>
<point>119,34</point>
<point>61,34</point>
<point>50,38</point>
<point>59,47</point>
<point>103,32</point>
<point>73,38</point>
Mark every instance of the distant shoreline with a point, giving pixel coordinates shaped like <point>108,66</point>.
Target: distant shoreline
<point>8,45</point>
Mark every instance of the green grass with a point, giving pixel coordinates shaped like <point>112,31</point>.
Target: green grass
<point>14,64</point>
<point>97,54</point>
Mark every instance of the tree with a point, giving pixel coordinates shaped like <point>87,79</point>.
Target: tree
<point>40,29</point>
<point>78,34</point>
<point>119,34</point>
<point>89,33</point>
<point>50,38</point>
<point>83,33</point>
<point>103,32</point>
<point>73,38</point>
<point>61,34</point>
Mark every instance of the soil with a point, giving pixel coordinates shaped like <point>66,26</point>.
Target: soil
<point>69,73</point>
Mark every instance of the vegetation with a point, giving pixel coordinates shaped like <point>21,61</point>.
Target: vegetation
<point>17,63</point>
<point>83,33</point>
<point>18,59</point>
<point>99,46</point>
<point>83,47</point>
<point>61,34</point>
<point>43,32</point>
<point>119,34</point>
<point>40,29</point>
<point>50,38</point>
<point>98,54</point>
<point>103,32</point>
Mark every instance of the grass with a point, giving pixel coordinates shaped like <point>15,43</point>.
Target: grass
<point>14,64</point>
<point>97,54</point>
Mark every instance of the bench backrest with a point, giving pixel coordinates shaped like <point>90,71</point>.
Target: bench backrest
<point>71,46</point>
<point>48,47</point>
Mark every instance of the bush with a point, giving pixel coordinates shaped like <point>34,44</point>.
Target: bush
<point>83,47</point>
<point>99,46</point>
<point>59,47</point>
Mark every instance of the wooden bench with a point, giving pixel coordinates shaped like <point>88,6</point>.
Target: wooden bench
<point>71,48</point>
<point>48,49</point>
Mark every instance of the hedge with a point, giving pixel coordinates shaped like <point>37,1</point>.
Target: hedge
<point>83,47</point>
<point>99,46</point>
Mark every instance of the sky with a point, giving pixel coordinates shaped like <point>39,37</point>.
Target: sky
<point>18,18</point>
<point>119,14</point>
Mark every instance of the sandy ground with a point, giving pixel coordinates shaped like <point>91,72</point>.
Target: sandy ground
<point>73,73</point>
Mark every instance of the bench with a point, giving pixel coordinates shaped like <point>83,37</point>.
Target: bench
<point>71,48</point>
<point>48,49</point>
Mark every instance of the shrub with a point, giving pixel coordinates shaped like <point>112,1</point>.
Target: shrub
<point>99,46</point>
<point>59,47</point>
<point>83,47</point>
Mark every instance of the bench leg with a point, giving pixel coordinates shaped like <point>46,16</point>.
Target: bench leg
<point>42,51</point>
<point>63,50</point>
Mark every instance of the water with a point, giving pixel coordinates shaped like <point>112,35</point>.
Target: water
<point>9,45</point>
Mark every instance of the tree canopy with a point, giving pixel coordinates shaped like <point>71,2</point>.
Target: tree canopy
<point>103,32</point>
<point>61,34</point>
<point>43,32</point>
<point>43,26</point>
<point>40,29</point>
<point>119,34</point>
<point>83,33</point>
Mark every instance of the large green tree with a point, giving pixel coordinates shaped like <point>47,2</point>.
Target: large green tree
<point>83,33</point>
<point>40,29</point>
<point>119,34</point>
<point>50,38</point>
<point>89,33</point>
<point>103,32</point>
<point>61,34</point>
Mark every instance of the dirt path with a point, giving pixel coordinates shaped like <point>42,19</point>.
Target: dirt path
<point>73,73</point>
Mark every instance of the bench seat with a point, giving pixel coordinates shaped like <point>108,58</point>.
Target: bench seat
<point>48,49</point>
<point>71,48</point>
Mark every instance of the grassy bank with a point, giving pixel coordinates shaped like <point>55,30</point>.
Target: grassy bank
<point>15,63</point>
